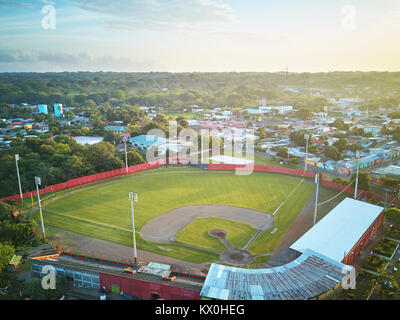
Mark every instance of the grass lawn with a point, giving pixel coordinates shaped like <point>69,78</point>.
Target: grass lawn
<point>196,233</point>
<point>364,285</point>
<point>267,242</point>
<point>270,162</point>
<point>186,115</point>
<point>103,210</point>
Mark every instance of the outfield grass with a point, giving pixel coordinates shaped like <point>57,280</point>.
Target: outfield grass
<point>103,210</point>
<point>196,233</point>
<point>266,241</point>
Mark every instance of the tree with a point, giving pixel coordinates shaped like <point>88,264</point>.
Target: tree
<point>339,124</point>
<point>385,131</point>
<point>35,291</point>
<point>298,137</point>
<point>305,114</point>
<point>331,152</point>
<point>6,211</point>
<point>134,157</point>
<point>6,253</point>
<point>364,180</point>
<point>389,182</point>
<point>282,152</point>
<point>341,144</point>
<point>181,121</point>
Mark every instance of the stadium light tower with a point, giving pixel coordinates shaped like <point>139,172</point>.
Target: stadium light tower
<point>125,139</point>
<point>133,197</point>
<point>316,198</point>
<point>358,165</point>
<point>19,179</point>
<point>306,136</point>
<point>38,182</point>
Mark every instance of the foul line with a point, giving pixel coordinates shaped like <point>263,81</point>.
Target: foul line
<point>287,198</point>
<point>87,220</point>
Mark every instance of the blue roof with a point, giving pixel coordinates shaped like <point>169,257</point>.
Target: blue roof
<point>148,141</point>
<point>115,128</point>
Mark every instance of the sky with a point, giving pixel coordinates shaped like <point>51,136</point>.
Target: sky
<point>199,35</point>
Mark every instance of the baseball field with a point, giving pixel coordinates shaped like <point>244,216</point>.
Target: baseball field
<point>168,203</point>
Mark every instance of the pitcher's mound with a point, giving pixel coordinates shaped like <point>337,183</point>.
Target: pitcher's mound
<point>218,233</point>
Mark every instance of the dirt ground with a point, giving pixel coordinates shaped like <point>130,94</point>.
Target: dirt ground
<point>77,243</point>
<point>304,221</point>
<point>165,227</point>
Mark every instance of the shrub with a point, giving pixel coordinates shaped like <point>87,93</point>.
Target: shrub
<point>393,215</point>
<point>393,232</point>
<point>385,247</point>
<point>341,181</point>
<point>375,262</point>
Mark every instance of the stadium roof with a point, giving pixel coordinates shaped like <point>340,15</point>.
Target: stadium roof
<point>337,233</point>
<point>309,276</point>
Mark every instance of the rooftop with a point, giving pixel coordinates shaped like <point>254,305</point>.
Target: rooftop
<point>308,276</point>
<point>336,234</point>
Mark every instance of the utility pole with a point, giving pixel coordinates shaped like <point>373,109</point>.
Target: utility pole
<point>133,197</point>
<point>306,136</point>
<point>38,182</point>
<point>316,198</point>
<point>19,179</point>
<point>125,138</point>
<point>358,165</point>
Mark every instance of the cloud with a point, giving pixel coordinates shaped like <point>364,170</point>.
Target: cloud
<point>45,61</point>
<point>157,14</point>
<point>15,4</point>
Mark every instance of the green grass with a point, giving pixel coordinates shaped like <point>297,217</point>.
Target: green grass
<point>270,162</point>
<point>364,284</point>
<point>196,233</point>
<point>267,242</point>
<point>103,210</point>
<point>186,115</point>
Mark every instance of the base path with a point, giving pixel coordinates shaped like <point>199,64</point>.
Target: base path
<point>165,227</point>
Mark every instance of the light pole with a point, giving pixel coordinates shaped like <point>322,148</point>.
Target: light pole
<point>133,197</point>
<point>306,136</point>
<point>38,182</point>
<point>358,165</point>
<point>19,179</point>
<point>316,198</point>
<point>125,138</point>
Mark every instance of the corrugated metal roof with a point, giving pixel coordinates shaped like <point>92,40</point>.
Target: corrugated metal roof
<point>337,233</point>
<point>308,276</point>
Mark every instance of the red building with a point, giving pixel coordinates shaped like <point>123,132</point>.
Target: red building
<point>343,232</point>
<point>148,290</point>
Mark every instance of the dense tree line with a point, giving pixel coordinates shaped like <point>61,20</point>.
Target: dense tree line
<point>176,91</point>
<point>56,161</point>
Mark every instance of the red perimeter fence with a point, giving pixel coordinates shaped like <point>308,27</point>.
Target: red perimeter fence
<point>156,164</point>
<point>89,179</point>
